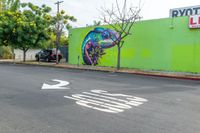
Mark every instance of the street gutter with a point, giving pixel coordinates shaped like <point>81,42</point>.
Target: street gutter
<point>177,75</point>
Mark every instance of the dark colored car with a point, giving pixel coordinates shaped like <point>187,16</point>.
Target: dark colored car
<point>48,55</point>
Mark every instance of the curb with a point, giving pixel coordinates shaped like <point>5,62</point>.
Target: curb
<point>106,69</point>
<point>164,75</point>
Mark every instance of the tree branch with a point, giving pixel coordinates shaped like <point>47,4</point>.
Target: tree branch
<point>121,20</point>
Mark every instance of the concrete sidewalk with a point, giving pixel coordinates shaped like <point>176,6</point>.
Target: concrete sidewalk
<point>178,75</point>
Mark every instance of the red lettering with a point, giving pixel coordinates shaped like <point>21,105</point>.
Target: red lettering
<point>199,19</point>
<point>192,21</point>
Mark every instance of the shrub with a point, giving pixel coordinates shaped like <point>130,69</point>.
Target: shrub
<point>5,52</point>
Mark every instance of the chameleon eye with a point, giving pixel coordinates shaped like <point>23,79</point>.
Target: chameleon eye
<point>105,35</point>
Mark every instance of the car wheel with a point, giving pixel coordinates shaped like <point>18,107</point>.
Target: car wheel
<point>48,60</point>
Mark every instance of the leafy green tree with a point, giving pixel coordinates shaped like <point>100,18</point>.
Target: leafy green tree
<point>59,23</point>
<point>5,52</point>
<point>49,44</point>
<point>12,5</point>
<point>25,29</point>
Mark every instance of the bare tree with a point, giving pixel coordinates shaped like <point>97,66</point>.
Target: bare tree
<point>121,19</point>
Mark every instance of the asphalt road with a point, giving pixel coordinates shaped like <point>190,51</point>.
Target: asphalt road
<point>165,105</point>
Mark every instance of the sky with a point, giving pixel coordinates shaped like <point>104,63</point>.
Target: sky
<point>86,11</point>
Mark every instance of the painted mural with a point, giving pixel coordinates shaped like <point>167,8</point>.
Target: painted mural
<point>160,44</point>
<point>95,42</point>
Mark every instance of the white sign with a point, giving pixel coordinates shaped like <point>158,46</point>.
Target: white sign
<point>185,11</point>
<point>107,102</point>
<point>59,86</point>
<point>194,21</point>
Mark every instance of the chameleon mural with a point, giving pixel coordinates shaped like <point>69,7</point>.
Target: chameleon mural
<point>95,42</point>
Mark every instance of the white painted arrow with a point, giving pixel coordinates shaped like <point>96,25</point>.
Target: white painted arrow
<point>59,86</point>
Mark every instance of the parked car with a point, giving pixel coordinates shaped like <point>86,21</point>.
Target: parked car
<point>48,55</point>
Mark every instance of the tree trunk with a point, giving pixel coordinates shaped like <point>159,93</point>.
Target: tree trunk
<point>24,56</point>
<point>57,47</point>
<point>118,56</point>
<point>57,54</point>
<point>13,53</point>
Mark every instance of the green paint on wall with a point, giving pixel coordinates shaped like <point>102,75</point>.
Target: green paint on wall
<point>163,44</point>
<point>183,58</point>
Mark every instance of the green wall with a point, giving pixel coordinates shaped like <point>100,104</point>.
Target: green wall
<point>163,44</point>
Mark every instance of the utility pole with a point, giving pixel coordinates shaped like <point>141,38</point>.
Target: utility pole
<point>58,30</point>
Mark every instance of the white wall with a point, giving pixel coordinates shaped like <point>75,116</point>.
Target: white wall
<point>30,54</point>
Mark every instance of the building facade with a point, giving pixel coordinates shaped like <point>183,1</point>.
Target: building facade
<point>163,44</point>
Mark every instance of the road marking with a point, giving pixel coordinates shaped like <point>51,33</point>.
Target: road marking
<point>107,102</point>
<point>59,86</point>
